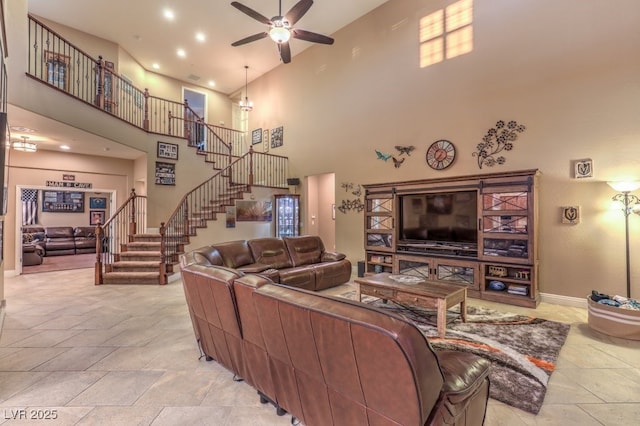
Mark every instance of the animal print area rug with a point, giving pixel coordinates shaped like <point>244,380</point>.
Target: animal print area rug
<point>523,350</point>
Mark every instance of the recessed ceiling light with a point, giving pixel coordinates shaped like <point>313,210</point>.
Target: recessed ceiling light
<point>65,147</point>
<point>200,36</point>
<point>168,14</point>
<point>156,66</point>
<point>22,129</point>
<point>212,83</point>
<point>181,53</point>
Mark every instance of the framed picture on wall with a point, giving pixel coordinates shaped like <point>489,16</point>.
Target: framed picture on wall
<point>97,203</point>
<point>167,150</point>
<point>96,217</point>
<point>165,173</point>
<point>62,201</point>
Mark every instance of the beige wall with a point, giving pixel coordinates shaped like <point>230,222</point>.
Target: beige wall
<point>578,100</point>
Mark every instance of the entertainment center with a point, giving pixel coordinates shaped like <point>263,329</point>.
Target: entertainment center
<point>476,231</point>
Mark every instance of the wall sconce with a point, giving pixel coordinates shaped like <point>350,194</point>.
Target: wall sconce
<point>629,203</point>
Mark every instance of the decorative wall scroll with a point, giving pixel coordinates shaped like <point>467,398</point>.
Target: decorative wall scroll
<point>499,138</point>
<point>265,140</point>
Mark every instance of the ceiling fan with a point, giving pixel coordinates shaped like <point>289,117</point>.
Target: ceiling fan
<point>281,27</point>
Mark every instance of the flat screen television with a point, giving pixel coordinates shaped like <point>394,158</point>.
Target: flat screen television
<point>443,217</point>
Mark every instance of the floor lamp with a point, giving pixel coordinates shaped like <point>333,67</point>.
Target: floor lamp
<point>629,203</point>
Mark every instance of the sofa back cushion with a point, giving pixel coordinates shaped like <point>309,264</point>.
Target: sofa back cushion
<point>270,251</point>
<point>84,231</point>
<point>207,255</point>
<point>234,253</point>
<point>370,366</point>
<point>59,232</point>
<point>304,250</point>
<point>209,294</point>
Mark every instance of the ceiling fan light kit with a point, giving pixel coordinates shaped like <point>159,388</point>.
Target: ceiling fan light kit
<point>281,28</point>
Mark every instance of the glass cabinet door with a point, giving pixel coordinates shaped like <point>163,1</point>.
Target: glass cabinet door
<point>379,223</point>
<point>287,215</point>
<point>505,225</point>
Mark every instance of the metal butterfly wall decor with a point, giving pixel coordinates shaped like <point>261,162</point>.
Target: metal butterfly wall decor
<point>397,163</point>
<point>405,149</point>
<point>382,156</point>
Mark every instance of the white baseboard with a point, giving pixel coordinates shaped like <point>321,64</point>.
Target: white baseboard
<point>556,299</point>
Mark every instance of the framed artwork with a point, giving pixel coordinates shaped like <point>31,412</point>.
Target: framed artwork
<point>96,217</point>
<point>62,201</point>
<point>256,136</point>
<point>253,211</point>
<point>167,150</point>
<point>165,173</point>
<point>276,137</point>
<point>583,168</point>
<point>230,217</point>
<point>97,203</point>
<point>265,140</point>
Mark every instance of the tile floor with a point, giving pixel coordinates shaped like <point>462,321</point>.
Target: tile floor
<point>126,355</point>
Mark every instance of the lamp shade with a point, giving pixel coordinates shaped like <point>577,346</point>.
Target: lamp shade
<point>279,34</point>
<point>624,186</point>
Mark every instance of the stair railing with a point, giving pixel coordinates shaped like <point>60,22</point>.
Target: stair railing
<point>56,62</point>
<point>117,231</point>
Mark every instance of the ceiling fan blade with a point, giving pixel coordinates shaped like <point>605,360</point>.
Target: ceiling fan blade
<point>248,11</point>
<point>250,39</point>
<point>285,52</point>
<point>298,11</point>
<point>312,37</point>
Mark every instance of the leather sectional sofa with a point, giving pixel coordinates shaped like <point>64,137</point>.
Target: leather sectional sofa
<point>60,240</point>
<point>296,261</point>
<point>327,360</point>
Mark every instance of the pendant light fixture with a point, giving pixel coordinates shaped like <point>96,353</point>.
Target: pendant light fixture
<point>24,145</point>
<point>245,104</point>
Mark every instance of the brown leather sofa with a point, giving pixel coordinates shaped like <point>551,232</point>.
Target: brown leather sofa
<point>328,360</point>
<point>296,261</point>
<point>60,240</point>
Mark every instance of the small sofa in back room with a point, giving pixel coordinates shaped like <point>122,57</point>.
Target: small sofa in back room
<point>327,360</point>
<point>61,240</point>
<point>296,261</point>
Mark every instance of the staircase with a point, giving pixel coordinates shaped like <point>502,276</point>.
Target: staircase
<point>138,262</point>
<point>143,258</point>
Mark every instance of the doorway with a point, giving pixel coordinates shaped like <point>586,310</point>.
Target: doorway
<point>319,217</point>
<point>104,199</point>
<point>197,102</point>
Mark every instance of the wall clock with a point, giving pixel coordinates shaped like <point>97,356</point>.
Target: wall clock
<point>441,154</point>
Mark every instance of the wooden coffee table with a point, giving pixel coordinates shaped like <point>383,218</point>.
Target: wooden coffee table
<point>425,294</point>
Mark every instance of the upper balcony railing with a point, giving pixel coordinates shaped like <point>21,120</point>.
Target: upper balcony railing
<point>58,63</point>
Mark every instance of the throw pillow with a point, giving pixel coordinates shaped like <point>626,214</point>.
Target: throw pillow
<point>27,238</point>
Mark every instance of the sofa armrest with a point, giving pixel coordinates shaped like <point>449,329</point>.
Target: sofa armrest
<point>330,256</point>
